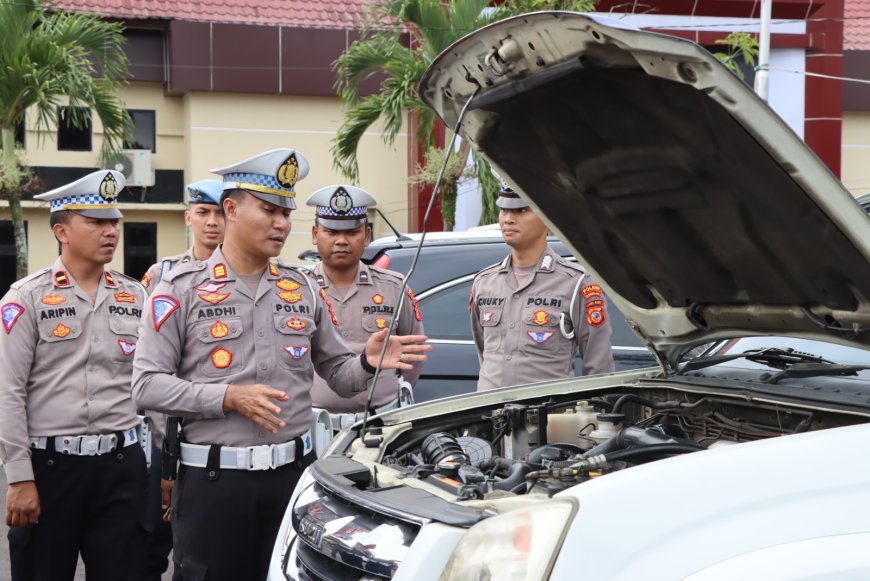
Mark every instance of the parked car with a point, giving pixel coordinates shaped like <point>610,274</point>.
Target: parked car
<point>865,202</point>
<point>708,220</point>
<point>442,283</point>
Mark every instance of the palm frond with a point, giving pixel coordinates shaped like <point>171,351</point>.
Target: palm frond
<point>357,119</point>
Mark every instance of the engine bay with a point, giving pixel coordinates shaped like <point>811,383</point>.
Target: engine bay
<point>548,446</point>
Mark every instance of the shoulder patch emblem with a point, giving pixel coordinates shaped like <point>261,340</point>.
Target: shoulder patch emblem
<point>273,270</point>
<point>595,312</point>
<point>110,280</point>
<point>11,312</point>
<point>417,314</point>
<point>53,299</point>
<point>219,330</point>
<point>541,318</point>
<point>61,331</point>
<point>290,297</point>
<point>221,358</point>
<point>378,299</point>
<point>127,348</point>
<point>329,306</point>
<point>211,287</point>
<point>214,298</point>
<point>287,284</point>
<point>296,351</point>
<point>125,297</point>
<point>146,280</point>
<point>540,336</point>
<point>163,306</point>
<point>61,279</point>
<point>296,324</point>
<point>592,290</point>
<point>220,270</point>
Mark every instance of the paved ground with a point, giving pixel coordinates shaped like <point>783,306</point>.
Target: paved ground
<point>4,545</point>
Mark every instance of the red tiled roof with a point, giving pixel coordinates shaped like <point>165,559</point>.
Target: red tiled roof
<point>295,13</point>
<point>856,32</point>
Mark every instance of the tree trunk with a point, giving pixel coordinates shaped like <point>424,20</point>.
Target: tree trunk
<point>450,186</point>
<point>11,184</point>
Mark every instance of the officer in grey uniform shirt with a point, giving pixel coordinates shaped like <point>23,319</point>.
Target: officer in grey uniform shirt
<point>231,345</point>
<point>205,219</point>
<point>532,312</point>
<point>69,435</point>
<point>363,297</point>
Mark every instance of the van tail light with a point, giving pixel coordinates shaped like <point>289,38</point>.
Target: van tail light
<point>382,261</point>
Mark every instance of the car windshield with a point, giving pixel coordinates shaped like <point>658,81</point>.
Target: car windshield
<point>833,352</point>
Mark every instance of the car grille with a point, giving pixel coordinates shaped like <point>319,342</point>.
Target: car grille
<point>340,540</point>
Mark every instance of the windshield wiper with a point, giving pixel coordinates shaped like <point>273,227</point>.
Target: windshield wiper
<point>772,356</point>
<point>815,370</point>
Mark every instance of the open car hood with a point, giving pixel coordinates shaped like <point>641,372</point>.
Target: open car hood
<point>703,214</point>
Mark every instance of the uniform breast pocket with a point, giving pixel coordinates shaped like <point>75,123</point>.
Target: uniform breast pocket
<point>126,333</point>
<point>59,340</point>
<point>220,338</point>
<point>490,320</point>
<point>376,322</point>
<point>294,340</point>
<point>541,327</point>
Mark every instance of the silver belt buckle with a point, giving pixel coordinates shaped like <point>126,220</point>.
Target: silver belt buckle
<point>89,445</point>
<point>261,458</point>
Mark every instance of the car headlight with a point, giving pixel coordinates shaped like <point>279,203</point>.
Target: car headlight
<point>303,485</point>
<point>517,545</point>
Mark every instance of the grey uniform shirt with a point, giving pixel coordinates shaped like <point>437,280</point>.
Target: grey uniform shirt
<point>159,269</point>
<point>202,330</point>
<point>520,332</point>
<point>367,307</point>
<point>67,362</point>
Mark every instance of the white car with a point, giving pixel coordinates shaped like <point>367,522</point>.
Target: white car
<point>709,223</point>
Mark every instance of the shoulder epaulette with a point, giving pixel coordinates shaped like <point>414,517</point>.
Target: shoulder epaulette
<point>183,269</point>
<point>390,273</point>
<point>572,264</point>
<point>121,275</point>
<point>30,278</point>
<point>489,269</point>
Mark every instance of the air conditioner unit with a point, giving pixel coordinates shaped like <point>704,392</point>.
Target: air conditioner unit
<point>136,166</point>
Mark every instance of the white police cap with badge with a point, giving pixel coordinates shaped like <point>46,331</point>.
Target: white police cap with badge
<point>269,176</point>
<point>204,192</point>
<point>508,198</point>
<point>341,207</point>
<point>93,196</point>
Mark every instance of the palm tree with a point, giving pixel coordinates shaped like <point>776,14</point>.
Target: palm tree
<point>47,60</point>
<point>432,25</point>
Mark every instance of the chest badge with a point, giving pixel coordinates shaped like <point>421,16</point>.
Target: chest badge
<point>286,284</point>
<point>219,330</point>
<point>221,358</point>
<point>10,312</point>
<point>53,299</point>
<point>211,287</point>
<point>381,323</point>
<point>296,324</point>
<point>213,298</point>
<point>290,297</point>
<point>486,316</point>
<point>125,298</point>
<point>540,336</point>
<point>378,299</point>
<point>541,318</point>
<point>127,348</point>
<point>61,331</point>
<point>163,306</point>
<point>296,351</point>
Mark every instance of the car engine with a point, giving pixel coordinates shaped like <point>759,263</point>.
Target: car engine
<point>546,447</point>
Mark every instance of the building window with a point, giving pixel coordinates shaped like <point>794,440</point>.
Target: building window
<point>140,247</point>
<point>74,129</point>
<point>7,255</point>
<point>144,130</point>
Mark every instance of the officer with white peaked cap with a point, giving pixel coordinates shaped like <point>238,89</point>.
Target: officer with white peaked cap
<point>532,312</point>
<point>69,436</point>
<point>231,344</point>
<point>362,296</point>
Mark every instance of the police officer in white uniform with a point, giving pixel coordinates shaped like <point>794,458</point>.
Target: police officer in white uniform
<point>363,297</point>
<point>231,344</point>
<point>69,439</point>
